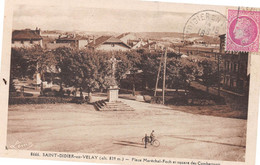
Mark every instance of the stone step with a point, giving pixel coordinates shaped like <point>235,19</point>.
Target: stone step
<point>96,105</point>
<point>116,109</point>
<point>119,107</point>
<point>103,105</point>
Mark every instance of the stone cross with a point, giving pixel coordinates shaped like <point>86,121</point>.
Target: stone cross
<point>114,61</point>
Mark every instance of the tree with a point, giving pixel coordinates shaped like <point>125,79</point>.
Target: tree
<point>19,63</point>
<point>88,70</point>
<point>209,73</point>
<point>131,63</point>
<point>173,75</point>
<point>64,60</point>
<point>149,64</point>
<point>189,71</point>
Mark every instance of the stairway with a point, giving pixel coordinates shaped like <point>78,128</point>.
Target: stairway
<point>104,105</point>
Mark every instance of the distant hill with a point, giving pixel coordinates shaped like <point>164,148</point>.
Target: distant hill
<point>207,39</point>
<point>158,35</point>
<point>173,37</point>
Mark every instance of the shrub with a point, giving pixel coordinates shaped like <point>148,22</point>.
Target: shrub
<point>68,92</point>
<point>14,94</point>
<point>78,100</point>
<point>156,100</point>
<point>47,92</point>
<point>38,100</point>
<point>147,98</point>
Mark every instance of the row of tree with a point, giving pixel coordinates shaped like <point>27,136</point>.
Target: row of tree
<point>91,70</point>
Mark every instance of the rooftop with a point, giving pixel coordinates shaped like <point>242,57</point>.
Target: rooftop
<point>106,40</point>
<point>26,34</point>
<point>68,38</point>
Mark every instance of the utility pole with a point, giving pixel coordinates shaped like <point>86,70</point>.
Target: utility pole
<point>218,74</point>
<point>158,75</point>
<point>164,74</point>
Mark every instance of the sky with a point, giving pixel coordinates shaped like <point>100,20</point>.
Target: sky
<point>97,19</point>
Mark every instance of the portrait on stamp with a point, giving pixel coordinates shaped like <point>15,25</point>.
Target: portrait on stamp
<point>243,31</point>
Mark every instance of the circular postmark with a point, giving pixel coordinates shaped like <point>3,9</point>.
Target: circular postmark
<point>243,30</point>
<point>203,28</point>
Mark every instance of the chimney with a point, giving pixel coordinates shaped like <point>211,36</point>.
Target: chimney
<point>38,31</point>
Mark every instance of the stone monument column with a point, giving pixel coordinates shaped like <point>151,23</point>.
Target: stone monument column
<point>112,95</point>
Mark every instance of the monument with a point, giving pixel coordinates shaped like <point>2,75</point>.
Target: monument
<point>112,103</point>
<point>112,94</point>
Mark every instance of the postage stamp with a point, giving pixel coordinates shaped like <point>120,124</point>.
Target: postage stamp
<point>243,31</point>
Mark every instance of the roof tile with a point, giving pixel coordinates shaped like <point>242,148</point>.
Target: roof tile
<point>26,34</point>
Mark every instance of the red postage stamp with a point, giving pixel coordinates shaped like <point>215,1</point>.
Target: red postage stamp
<point>243,31</point>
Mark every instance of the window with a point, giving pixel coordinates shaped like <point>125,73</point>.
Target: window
<point>231,82</point>
<point>234,84</point>
<point>235,67</point>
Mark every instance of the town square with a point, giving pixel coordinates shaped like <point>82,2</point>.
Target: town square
<point>127,82</point>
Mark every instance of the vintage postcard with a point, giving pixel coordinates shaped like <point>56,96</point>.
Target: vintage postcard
<point>130,82</point>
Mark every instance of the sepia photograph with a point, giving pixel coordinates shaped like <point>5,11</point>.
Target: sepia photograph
<point>156,82</point>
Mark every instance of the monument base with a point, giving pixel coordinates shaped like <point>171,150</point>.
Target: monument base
<point>112,95</point>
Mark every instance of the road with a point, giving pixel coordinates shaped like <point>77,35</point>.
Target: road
<point>81,129</point>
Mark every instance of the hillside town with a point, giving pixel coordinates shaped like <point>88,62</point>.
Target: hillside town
<point>71,78</point>
<point>126,41</point>
<point>234,77</point>
<point>127,82</point>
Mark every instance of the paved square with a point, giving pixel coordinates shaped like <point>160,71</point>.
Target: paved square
<point>79,128</point>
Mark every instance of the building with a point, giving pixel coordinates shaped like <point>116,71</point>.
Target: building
<point>72,41</point>
<point>108,43</point>
<point>235,64</point>
<point>51,46</point>
<point>26,38</point>
<point>137,44</point>
<point>126,37</point>
<point>153,46</point>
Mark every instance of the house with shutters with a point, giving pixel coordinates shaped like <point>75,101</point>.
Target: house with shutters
<point>26,38</point>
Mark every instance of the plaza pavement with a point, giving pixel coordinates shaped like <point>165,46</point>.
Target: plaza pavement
<point>79,128</point>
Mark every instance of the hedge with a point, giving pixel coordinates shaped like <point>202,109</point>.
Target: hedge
<point>38,100</point>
